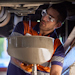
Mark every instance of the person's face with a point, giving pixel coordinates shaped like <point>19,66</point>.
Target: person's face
<point>49,20</point>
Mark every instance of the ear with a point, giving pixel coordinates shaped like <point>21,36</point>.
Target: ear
<point>59,24</point>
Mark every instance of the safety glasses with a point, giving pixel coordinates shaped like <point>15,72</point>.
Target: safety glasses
<point>50,18</point>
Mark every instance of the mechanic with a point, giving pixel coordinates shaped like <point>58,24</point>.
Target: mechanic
<point>52,18</point>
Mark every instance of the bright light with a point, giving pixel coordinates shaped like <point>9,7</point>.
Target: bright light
<point>38,20</point>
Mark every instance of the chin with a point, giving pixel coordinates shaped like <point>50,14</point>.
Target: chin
<point>42,28</point>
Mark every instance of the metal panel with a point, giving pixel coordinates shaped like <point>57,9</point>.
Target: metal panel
<point>69,59</point>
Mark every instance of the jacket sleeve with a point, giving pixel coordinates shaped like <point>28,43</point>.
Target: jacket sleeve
<point>58,56</point>
<point>19,28</point>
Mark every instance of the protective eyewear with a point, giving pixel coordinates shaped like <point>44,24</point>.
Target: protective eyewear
<point>50,18</point>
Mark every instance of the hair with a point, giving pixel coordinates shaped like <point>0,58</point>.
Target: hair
<point>60,7</point>
<point>44,6</point>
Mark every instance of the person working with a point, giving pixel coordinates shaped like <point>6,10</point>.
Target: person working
<point>52,18</point>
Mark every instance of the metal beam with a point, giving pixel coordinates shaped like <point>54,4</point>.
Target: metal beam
<point>5,1</point>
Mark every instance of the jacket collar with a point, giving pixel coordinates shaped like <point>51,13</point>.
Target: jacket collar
<point>53,34</point>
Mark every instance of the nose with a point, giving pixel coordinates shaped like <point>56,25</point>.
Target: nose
<point>45,18</point>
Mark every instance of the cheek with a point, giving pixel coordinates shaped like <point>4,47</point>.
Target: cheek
<point>50,26</point>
